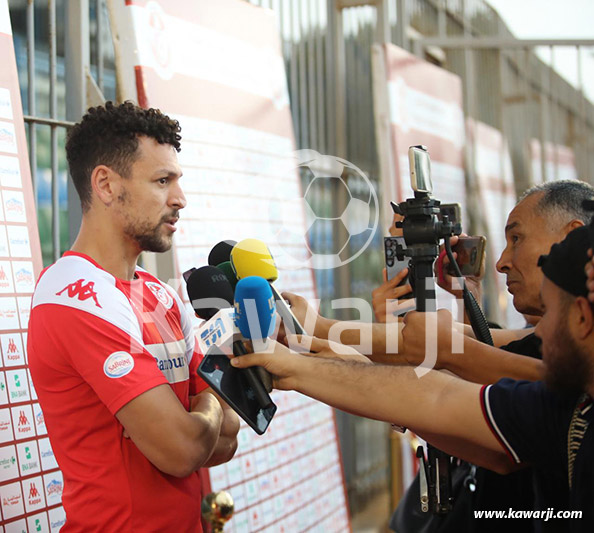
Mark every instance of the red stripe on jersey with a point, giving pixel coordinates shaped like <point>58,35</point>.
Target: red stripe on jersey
<point>492,426</point>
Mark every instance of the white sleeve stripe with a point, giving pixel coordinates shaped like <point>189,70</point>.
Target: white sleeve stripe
<point>129,330</point>
<point>496,427</point>
<point>108,303</point>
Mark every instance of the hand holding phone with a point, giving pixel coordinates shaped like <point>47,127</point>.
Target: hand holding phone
<point>394,265</point>
<point>470,256</point>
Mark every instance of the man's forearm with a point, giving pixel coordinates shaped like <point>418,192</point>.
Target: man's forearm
<point>481,363</point>
<point>439,406</point>
<point>226,445</point>
<point>382,343</point>
<point>501,337</point>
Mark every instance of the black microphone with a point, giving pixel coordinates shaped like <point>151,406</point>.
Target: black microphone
<point>209,291</point>
<point>221,252</point>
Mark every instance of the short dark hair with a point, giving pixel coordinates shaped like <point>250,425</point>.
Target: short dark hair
<point>108,135</point>
<point>562,200</point>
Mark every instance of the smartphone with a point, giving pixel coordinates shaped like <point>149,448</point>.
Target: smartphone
<point>393,264</point>
<point>230,383</point>
<point>453,211</point>
<point>471,256</point>
<point>420,169</point>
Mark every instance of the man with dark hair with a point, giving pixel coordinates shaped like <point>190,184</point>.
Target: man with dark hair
<point>502,426</point>
<point>111,348</point>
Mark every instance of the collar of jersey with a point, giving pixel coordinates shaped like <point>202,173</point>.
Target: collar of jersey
<point>93,262</point>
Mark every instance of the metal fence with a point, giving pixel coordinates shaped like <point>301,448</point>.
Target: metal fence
<point>49,60</point>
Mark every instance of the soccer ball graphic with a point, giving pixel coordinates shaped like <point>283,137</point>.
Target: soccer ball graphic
<point>333,235</point>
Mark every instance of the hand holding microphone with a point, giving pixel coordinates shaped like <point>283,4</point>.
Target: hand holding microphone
<point>255,316</point>
<point>211,297</point>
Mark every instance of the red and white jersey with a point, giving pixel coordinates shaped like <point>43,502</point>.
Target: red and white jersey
<point>96,342</point>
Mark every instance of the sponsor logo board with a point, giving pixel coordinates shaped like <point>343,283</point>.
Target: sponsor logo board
<point>11,500</point>
<point>28,455</point>
<point>48,460</point>
<point>22,421</point>
<point>33,494</point>
<point>18,385</point>
<point>9,468</point>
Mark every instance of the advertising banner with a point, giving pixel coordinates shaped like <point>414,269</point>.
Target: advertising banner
<point>496,193</point>
<point>559,162</point>
<point>30,482</point>
<point>417,103</point>
<point>425,106</point>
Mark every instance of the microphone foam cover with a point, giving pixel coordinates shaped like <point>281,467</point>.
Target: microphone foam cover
<point>221,252</point>
<point>227,269</point>
<point>209,291</point>
<point>255,310</point>
<point>251,257</point>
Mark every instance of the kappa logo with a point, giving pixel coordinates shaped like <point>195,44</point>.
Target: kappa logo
<point>12,347</point>
<point>82,292</point>
<point>2,274</point>
<point>34,495</point>
<point>23,420</point>
<point>33,492</point>
<point>160,293</point>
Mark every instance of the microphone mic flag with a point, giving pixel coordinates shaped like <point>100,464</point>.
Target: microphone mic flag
<point>209,291</point>
<point>255,311</point>
<point>227,269</point>
<point>221,252</point>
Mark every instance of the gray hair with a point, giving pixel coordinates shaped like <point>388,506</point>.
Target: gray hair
<point>562,200</point>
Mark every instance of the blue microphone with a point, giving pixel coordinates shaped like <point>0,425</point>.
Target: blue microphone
<point>255,310</point>
<point>255,316</point>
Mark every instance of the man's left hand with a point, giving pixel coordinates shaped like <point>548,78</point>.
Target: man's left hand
<point>415,331</point>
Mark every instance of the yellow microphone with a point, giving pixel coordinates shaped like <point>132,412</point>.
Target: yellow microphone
<point>251,257</point>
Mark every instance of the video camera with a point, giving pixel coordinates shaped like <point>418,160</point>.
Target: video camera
<point>424,226</point>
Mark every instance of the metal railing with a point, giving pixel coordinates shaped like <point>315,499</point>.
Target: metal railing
<point>41,45</point>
